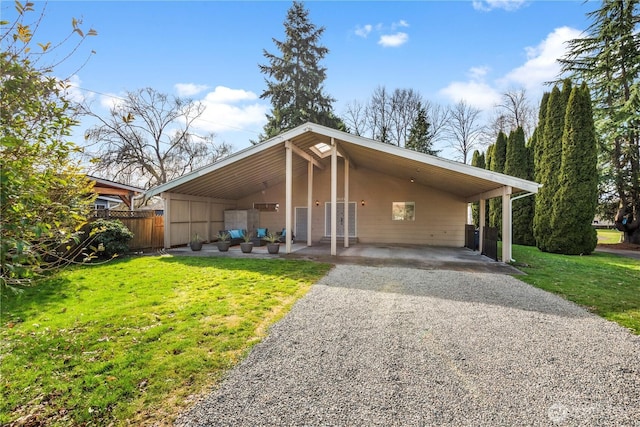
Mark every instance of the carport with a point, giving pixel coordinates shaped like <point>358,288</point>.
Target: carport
<point>328,185</point>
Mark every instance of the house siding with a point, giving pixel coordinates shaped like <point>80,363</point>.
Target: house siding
<point>439,216</point>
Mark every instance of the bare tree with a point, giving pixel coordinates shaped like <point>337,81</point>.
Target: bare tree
<point>147,139</point>
<point>515,111</point>
<point>405,106</point>
<point>355,117</point>
<point>379,114</point>
<point>438,119</point>
<point>464,129</point>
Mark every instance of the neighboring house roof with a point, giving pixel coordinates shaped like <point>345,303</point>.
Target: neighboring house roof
<point>263,165</point>
<point>125,192</point>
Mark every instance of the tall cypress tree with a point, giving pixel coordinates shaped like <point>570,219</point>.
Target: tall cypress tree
<point>296,77</point>
<point>536,139</point>
<point>497,165</point>
<point>477,160</point>
<point>575,200</point>
<point>548,165</point>
<point>517,164</point>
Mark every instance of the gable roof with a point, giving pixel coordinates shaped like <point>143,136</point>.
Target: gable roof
<point>263,165</point>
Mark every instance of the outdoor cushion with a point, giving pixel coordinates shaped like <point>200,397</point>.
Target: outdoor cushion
<point>261,232</point>
<point>235,234</point>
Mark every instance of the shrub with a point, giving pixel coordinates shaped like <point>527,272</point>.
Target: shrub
<point>112,235</point>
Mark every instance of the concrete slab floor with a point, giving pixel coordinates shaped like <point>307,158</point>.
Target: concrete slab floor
<point>414,256</point>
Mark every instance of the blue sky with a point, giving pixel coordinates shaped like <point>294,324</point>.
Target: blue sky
<point>210,50</point>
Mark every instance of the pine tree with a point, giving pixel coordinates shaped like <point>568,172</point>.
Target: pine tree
<point>420,137</point>
<point>575,200</point>
<point>497,165</point>
<point>517,164</point>
<point>548,166</point>
<point>297,78</point>
<point>478,161</point>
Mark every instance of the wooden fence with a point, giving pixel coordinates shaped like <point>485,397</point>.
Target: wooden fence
<point>147,227</point>
<point>490,242</point>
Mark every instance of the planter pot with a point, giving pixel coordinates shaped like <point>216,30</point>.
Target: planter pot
<point>246,247</point>
<point>223,246</point>
<point>273,248</point>
<point>196,245</point>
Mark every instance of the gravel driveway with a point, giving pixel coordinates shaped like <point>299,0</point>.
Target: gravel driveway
<point>400,346</point>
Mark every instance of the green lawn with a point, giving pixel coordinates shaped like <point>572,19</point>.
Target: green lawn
<point>609,237</point>
<point>127,342</point>
<point>606,284</point>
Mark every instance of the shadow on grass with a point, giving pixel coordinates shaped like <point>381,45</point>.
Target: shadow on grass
<point>17,303</point>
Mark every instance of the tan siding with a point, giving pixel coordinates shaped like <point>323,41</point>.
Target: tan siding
<point>440,217</point>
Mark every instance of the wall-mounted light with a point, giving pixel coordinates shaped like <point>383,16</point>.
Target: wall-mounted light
<point>362,202</point>
<point>412,179</point>
<point>277,207</point>
<point>317,202</point>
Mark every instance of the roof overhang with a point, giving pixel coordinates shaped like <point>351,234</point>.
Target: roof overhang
<point>263,165</point>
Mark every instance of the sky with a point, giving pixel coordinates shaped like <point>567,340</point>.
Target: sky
<point>210,51</point>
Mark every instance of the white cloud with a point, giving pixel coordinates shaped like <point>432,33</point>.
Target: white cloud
<point>478,94</point>
<point>542,65</point>
<point>110,100</point>
<point>393,40</point>
<point>189,89</point>
<point>363,31</point>
<point>223,94</point>
<point>231,110</point>
<point>508,5</point>
<point>73,92</point>
<point>400,24</point>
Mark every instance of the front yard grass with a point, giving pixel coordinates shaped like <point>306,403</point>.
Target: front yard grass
<point>133,341</point>
<point>606,284</point>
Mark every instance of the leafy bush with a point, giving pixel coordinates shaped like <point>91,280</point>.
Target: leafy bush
<point>111,237</point>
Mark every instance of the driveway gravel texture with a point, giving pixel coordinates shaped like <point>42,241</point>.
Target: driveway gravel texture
<point>385,346</point>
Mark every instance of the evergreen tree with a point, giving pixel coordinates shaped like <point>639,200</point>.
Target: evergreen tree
<point>296,78</point>
<point>517,164</point>
<point>477,160</point>
<point>575,200</point>
<point>420,137</point>
<point>548,166</point>
<point>497,165</point>
<point>536,138</point>
<point>608,59</point>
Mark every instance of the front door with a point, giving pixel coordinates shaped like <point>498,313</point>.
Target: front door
<point>340,216</point>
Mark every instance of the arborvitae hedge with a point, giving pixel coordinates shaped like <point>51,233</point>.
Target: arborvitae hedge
<point>478,161</point>
<point>575,201</point>
<point>518,164</point>
<point>548,166</point>
<point>498,159</point>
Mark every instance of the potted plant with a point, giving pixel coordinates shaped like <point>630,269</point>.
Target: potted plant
<point>196,243</point>
<point>223,242</point>
<point>247,245</point>
<point>273,243</point>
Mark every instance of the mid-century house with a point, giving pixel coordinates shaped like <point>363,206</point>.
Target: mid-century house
<point>302,179</point>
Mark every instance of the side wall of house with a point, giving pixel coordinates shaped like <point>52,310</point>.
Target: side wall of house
<point>439,216</point>
<point>187,215</point>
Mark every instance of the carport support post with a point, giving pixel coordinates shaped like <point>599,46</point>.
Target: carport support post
<point>506,224</point>
<point>482,223</point>
<point>309,201</point>
<point>288,195</point>
<point>346,203</point>
<point>334,196</point>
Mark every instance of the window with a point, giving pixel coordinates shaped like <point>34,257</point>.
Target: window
<point>403,211</point>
